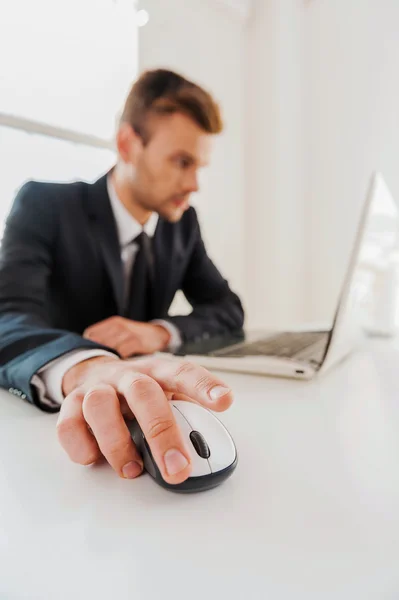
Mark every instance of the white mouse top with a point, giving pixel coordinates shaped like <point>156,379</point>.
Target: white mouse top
<point>193,417</point>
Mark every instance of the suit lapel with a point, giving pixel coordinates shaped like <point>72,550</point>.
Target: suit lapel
<point>107,236</point>
<point>168,252</point>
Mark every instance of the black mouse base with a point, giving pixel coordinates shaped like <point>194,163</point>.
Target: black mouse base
<point>199,484</point>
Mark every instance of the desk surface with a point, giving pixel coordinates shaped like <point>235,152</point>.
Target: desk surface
<point>312,511</point>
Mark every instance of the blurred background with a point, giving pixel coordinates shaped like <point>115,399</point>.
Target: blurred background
<point>310,94</point>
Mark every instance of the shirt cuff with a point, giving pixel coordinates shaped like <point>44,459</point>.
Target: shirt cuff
<point>48,380</point>
<point>175,335</point>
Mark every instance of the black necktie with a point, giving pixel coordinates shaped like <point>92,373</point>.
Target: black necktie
<point>139,295</point>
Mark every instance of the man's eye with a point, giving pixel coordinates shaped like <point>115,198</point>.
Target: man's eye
<point>183,163</point>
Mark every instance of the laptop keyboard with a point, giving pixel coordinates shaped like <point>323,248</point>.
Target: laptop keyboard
<point>284,345</point>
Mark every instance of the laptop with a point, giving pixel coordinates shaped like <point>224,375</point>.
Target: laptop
<point>305,354</point>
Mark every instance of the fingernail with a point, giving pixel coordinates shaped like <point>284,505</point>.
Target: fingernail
<point>131,470</point>
<point>175,461</point>
<point>218,392</point>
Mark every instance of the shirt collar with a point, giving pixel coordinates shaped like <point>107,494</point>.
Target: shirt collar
<point>127,226</point>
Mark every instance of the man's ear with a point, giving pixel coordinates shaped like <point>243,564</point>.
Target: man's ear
<point>128,143</point>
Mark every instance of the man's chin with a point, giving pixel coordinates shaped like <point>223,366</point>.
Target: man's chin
<point>174,216</point>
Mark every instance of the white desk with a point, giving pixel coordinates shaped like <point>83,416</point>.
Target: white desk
<point>312,511</point>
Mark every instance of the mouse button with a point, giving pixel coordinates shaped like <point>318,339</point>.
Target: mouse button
<point>222,449</point>
<point>200,444</point>
<point>223,452</point>
<point>200,466</point>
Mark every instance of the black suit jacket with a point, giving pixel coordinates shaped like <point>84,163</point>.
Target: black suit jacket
<point>61,271</point>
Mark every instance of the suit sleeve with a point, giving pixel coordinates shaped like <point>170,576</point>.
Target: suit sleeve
<point>217,310</point>
<point>27,339</point>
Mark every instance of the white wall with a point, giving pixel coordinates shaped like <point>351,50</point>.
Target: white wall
<point>322,108</point>
<point>352,127</point>
<point>204,40</point>
<point>274,164</point>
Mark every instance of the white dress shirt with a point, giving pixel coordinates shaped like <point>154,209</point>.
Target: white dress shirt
<point>48,380</point>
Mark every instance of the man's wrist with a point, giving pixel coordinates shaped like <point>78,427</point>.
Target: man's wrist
<point>76,375</point>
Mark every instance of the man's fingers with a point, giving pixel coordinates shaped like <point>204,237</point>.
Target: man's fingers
<point>177,396</point>
<point>101,410</point>
<point>94,335</point>
<point>95,329</point>
<point>107,332</point>
<point>129,347</point>
<point>154,414</point>
<point>105,327</point>
<point>117,337</point>
<point>189,379</point>
<point>120,340</point>
<point>73,434</point>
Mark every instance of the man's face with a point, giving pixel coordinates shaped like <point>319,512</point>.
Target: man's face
<point>166,168</point>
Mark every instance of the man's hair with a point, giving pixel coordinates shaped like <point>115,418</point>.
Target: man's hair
<point>162,92</point>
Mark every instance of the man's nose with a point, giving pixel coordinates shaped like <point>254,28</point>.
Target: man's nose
<point>192,183</point>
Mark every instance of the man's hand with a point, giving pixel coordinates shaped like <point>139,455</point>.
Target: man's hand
<point>102,392</point>
<point>129,337</point>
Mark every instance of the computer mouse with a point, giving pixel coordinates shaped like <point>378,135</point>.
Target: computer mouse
<point>213,452</point>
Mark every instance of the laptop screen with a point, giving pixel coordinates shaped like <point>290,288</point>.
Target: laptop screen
<point>375,251</point>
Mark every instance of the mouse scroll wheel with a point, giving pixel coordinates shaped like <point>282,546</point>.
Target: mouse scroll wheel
<point>200,445</point>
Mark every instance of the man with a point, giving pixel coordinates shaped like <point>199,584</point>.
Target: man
<point>87,276</point>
